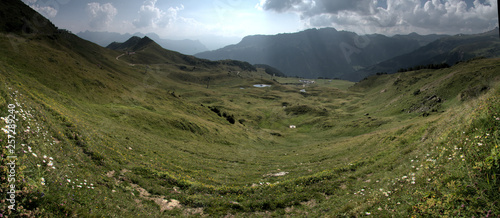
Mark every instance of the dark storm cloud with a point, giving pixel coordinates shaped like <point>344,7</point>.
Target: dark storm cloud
<point>282,6</point>
<point>327,6</point>
<point>313,7</point>
<point>393,16</point>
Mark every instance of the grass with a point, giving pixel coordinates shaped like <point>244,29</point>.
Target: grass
<point>125,138</point>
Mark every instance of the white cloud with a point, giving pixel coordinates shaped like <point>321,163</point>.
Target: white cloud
<point>400,16</point>
<point>46,9</point>
<point>101,15</point>
<point>152,16</point>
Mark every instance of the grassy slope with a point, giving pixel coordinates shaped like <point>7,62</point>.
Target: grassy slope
<point>127,129</point>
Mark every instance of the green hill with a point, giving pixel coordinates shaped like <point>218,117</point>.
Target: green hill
<point>158,133</point>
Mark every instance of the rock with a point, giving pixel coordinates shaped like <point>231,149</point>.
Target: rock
<point>173,204</point>
<point>276,174</point>
<point>110,173</point>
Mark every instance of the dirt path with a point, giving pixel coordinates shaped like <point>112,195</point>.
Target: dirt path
<point>119,56</point>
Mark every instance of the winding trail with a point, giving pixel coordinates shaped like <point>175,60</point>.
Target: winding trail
<point>119,56</point>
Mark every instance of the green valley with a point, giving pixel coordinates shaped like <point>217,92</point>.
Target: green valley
<point>105,133</point>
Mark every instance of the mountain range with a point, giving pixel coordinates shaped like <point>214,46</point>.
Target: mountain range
<point>330,53</point>
<point>447,50</point>
<point>185,46</point>
<point>319,52</point>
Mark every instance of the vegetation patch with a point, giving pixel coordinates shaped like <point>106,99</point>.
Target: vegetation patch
<point>228,117</point>
<point>305,109</point>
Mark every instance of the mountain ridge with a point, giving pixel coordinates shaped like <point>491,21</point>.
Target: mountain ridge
<point>316,53</point>
<point>135,43</point>
<point>30,22</point>
<point>147,51</point>
<point>447,50</point>
<point>185,46</point>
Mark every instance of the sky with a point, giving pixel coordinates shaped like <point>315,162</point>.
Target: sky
<point>231,20</point>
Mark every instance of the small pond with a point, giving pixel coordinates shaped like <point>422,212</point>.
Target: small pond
<point>261,85</point>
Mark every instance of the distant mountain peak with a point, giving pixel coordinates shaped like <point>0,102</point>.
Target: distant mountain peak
<point>133,39</point>
<point>135,43</point>
<point>146,38</point>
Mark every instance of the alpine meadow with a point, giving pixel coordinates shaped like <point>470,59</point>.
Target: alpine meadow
<point>136,130</point>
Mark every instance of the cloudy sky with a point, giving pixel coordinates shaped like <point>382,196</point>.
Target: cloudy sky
<point>234,19</point>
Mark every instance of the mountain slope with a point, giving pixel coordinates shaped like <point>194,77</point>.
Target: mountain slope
<point>449,50</point>
<point>27,20</point>
<point>319,52</point>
